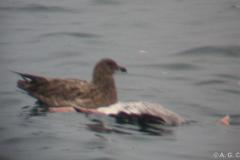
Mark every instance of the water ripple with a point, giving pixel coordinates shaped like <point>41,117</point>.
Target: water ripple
<point>232,91</point>
<point>5,102</point>
<point>130,125</point>
<point>209,82</point>
<point>174,66</point>
<point>236,6</point>
<point>229,76</point>
<point>72,34</point>
<point>230,51</point>
<point>105,2</point>
<point>36,8</point>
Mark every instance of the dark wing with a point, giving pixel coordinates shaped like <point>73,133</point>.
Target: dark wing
<point>29,80</point>
<point>57,92</point>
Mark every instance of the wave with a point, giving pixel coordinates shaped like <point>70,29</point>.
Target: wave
<point>229,51</point>
<point>210,82</point>
<point>72,34</point>
<point>232,91</point>
<point>228,76</point>
<point>36,8</point>
<point>106,2</point>
<point>174,66</point>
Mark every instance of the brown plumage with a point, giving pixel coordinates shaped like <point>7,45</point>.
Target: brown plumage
<point>54,92</point>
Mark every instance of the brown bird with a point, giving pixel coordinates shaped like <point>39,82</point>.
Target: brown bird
<point>55,92</point>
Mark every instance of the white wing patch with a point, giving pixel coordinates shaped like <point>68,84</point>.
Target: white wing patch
<point>141,108</point>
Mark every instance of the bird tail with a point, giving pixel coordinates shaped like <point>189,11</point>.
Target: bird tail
<point>28,80</point>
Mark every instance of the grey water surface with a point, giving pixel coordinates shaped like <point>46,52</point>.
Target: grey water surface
<point>184,54</point>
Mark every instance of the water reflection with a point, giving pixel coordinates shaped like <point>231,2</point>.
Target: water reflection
<point>131,124</point>
<point>147,128</point>
<point>37,110</point>
<point>144,124</point>
<point>100,127</point>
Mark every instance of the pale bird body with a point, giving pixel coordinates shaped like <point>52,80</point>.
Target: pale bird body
<point>139,109</point>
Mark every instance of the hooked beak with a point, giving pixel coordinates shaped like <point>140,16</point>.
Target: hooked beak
<point>122,69</point>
